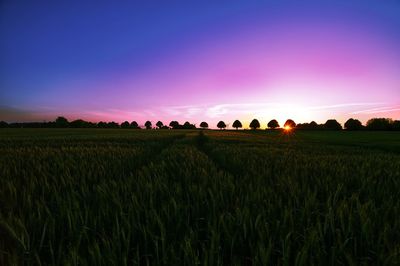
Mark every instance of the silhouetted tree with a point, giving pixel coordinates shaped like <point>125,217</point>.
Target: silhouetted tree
<point>31,125</point>
<point>303,126</point>
<point>125,124</point>
<point>112,124</point>
<point>61,122</point>
<point>254,124</point>
<point>396,125</point>
<point>134,125</point>
<point>79,123</point>
<point>237,124</point>
<point>332,124</point>
<point>221,125</point>
<point>309,126</point>
<point>91,124</point>
<point>147,125</point>
<point>159,124</point>
<point>203,125</point>
<point>187,125</point>
<point>3,124</point>
<point>379,124</point>
<point>353,124</point>
<point>174,124</point>
<point>16,125</point>
<point>313,125</point>
<point>290,123</point>
<point>273,124</point>
<point>102,124</point>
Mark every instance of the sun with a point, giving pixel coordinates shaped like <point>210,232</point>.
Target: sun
<point>287,128</point>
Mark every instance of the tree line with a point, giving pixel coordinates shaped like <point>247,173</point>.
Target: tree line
<point>331,124</point>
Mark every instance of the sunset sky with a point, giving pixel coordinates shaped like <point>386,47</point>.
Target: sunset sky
<point>199,60</point>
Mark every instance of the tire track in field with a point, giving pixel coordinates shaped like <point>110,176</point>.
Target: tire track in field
<point>183,138</point>
<point>192,140</point>
<point>201,144</point>
<point>158,152</point>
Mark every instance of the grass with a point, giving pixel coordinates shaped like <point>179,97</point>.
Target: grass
<point>136,197</point>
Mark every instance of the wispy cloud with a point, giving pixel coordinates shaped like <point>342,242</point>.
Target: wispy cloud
<point>186,111</point>
<point>343,105</point>
<point>386,109</point>
<point>220,110</point>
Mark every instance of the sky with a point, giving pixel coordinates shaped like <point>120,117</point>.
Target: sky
<point>199,60</point>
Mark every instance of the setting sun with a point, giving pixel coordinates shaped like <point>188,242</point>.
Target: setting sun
<point>287,128</point>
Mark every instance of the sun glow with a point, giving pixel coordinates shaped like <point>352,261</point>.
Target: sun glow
<point>287,128</point>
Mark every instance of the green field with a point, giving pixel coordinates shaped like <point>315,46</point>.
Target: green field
<point>176,197</point>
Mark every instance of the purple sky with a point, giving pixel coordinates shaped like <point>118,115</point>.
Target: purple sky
<point>308,60</point>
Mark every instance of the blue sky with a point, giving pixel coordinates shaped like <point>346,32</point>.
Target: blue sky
<point>136,60</point>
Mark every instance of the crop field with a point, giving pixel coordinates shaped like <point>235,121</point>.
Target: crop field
<point>181,197</point>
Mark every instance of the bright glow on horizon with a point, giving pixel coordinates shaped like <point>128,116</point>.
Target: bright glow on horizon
<point>245,112</point>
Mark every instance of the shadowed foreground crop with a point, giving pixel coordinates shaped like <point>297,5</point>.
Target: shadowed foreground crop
<point>126,197</point>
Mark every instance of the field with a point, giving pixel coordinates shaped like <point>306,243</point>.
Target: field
<point>176,197</point>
